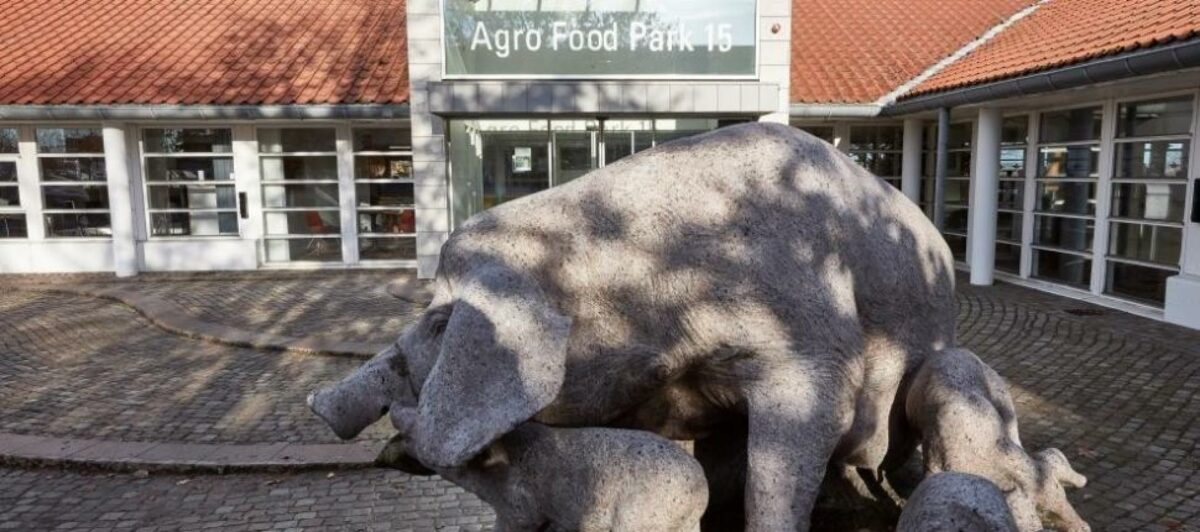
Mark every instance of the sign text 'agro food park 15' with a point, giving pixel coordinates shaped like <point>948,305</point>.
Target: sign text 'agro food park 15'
<point>591,39</point>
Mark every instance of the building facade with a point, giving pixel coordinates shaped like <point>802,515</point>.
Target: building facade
<point>360,134</point>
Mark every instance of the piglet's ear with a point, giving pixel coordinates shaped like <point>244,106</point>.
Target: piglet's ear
<point>502,360</point>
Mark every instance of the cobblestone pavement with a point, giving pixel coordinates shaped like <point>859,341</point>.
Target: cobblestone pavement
<point>364,500</point>
<point>83,367</point>
<point>1119,395</point>
<point>342,307</point>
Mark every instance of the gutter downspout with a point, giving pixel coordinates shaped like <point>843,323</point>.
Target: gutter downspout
<point>941,168</point>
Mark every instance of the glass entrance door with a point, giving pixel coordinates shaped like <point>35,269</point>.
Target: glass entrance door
<point>495,161</point>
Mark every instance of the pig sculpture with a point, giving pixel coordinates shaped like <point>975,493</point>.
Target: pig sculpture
<point>753,272</point>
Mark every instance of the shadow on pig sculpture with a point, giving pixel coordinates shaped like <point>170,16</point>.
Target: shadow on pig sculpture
<point>585,479</point>
<point>963,412</point>
<point>956,502</point>
<point>752,272</point>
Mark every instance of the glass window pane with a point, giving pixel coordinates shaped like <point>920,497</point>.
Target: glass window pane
<point>958,192</point>
<point>1156,117</point>
<point>382,139</point>
<point>193,223</point>
<point>387,248</point>
<point>385,194</point>
<point>289,140</point>
<point>1008,226</point>
<point>281,196</point>
<point>668,129</point>
<point>824,133</point>
<point>304,249</point>
<point>958,246</point>
<point>70,140</point>
<point>1012,195</point>
<point>382,167</point>
<point>192,197</point>
<point>1148,285</point>
<point>10,196</point>
<point>882,164</point>
<point>13,226</point>
<point>90,224</point>
<point>1149,202</point>
<point>72,168</point>
<point>1064,268</point>
<point>1071,125</point>
<point>959,164</point>
<point>75,197</point>
<point>1149,243</point>
<point>1012,162</point>
<point>299,168</point>
<point>1078,162</point>
<point>8,172</point>
<point>1066,233</point>
<point>1154,160</point>
<point>388,222</point>
<point>1067,197</point>
<point>1015,130</point>
<point>1008,258</point>
<point>957,219</point>
<point>865,138</point>
<point>960,136</point>
<point>189,169</point>
<point>188,140</point>
<point>8,140</point>
<point>303,223</point>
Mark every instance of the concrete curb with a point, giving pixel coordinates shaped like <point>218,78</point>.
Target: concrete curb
<point>173,319</point>
<point>39,451</point>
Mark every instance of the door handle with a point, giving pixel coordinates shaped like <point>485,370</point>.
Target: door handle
<point>243,210</point>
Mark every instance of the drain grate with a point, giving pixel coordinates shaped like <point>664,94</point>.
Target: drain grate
<point>1084,312</point>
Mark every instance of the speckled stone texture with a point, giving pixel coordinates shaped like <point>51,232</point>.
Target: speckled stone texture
<point>751,271</point>
<point>587,479</point>
<point>956,502</point>
<point>964,416</point>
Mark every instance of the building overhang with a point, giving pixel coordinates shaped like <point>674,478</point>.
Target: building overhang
<point>204,112</point>
<point>823,111</point>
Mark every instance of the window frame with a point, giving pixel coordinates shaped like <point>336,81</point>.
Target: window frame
<point>337,155</point>
<point>39,156</point>
<point>147,182</point>
<point>410,180</point>
<point>1187,139</point>
<point>22,205</point>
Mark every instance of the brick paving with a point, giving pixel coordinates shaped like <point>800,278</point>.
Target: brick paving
<point>1119,395</point>
<point>90,368</point>
<point>42,499</point>
<point>347,307</point>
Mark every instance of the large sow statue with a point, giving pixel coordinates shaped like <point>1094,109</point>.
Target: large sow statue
<point>753,274</point>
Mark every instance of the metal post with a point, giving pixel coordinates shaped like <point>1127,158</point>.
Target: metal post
<point>940,169</point>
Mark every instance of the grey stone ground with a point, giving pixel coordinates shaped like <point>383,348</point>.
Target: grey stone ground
<point>1118,394</point>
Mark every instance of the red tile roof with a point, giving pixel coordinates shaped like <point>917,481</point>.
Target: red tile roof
<point>1064,32</point>
<point>857,51</point>
<point>203,52</point>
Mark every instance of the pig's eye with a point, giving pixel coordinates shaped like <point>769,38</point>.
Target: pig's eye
<point>438,327</point>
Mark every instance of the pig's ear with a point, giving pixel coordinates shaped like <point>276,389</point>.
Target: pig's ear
<point>502,360</point>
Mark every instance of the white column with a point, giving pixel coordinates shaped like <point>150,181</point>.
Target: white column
<point>346,194</point>
<point>120,204</point>
<point>30,184</point>
<point>1182,306</point>
<point>910,173</point>
<point>982,250</point>
<point>246,175</point>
